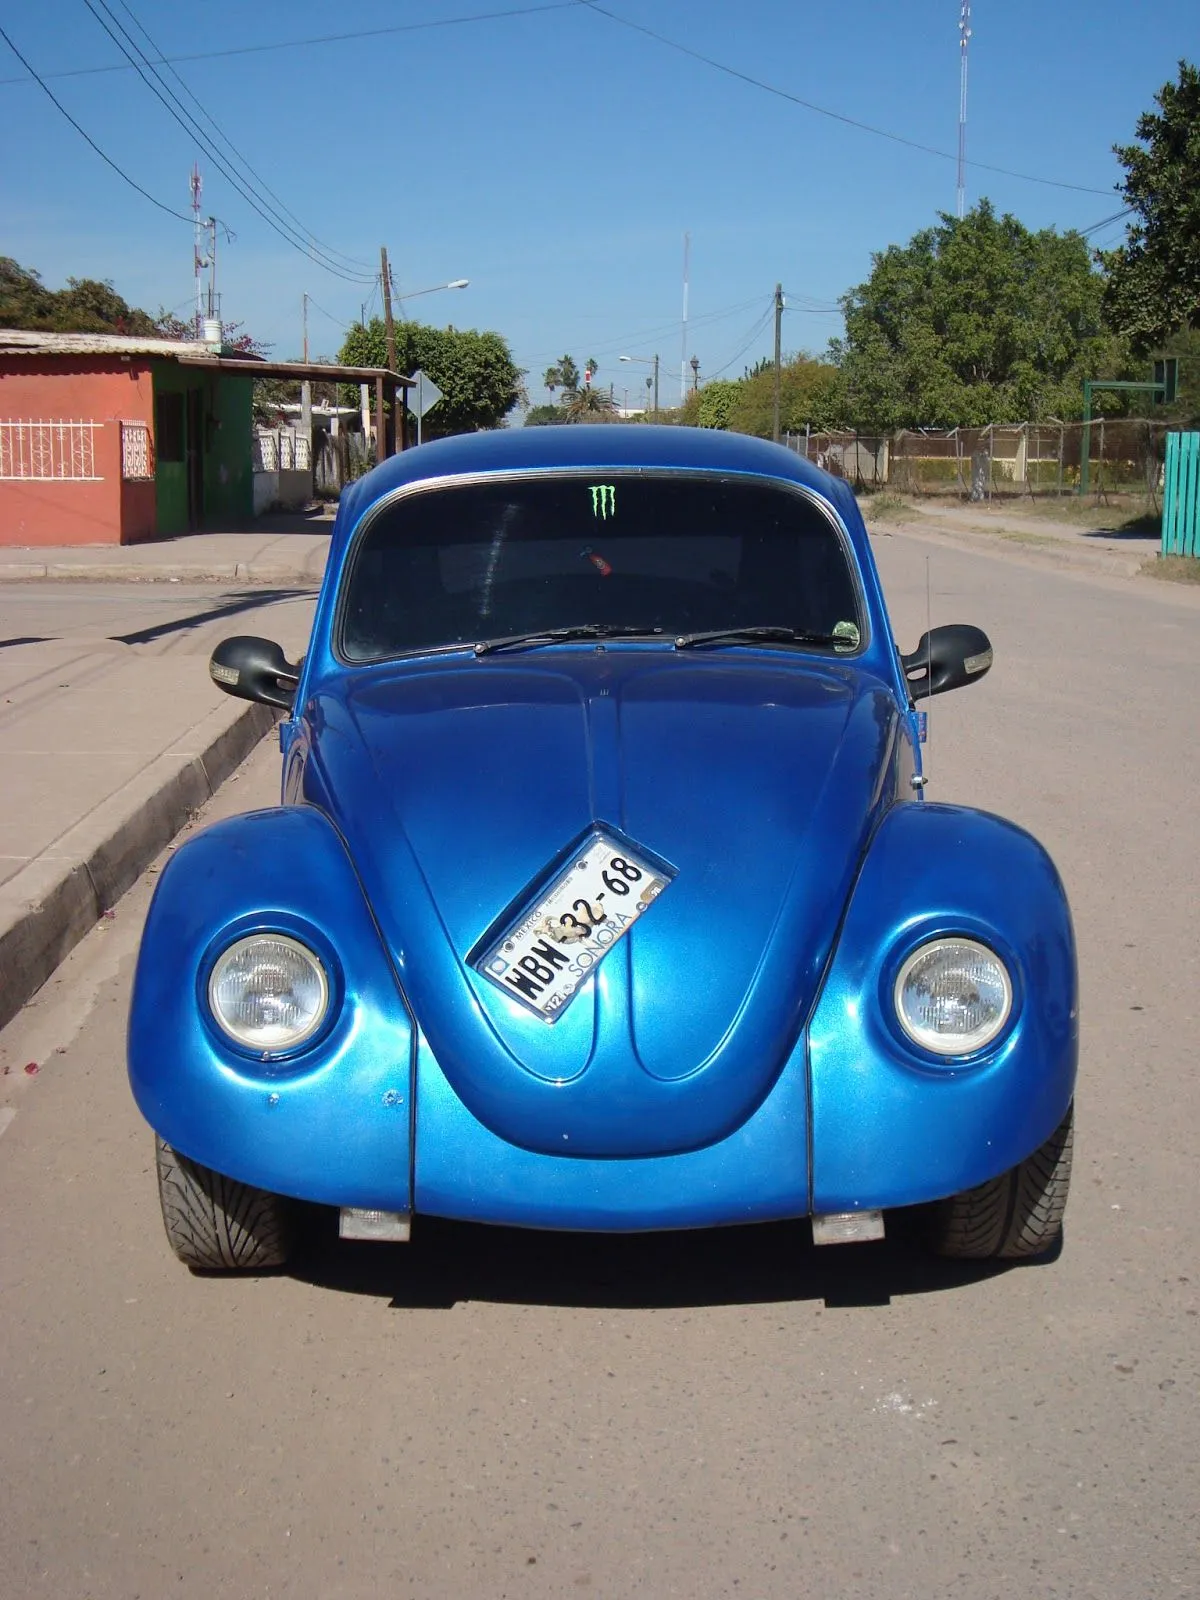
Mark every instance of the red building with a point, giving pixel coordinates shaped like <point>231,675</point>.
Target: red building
<point>107,439</point>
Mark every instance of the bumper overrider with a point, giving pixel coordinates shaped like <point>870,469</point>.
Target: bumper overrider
<point>361,1114</point>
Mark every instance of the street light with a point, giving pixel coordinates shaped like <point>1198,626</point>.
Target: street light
<point>456,283</point>
<point>647,361</point>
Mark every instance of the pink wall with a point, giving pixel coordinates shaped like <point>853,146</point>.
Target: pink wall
<point>104,510</point>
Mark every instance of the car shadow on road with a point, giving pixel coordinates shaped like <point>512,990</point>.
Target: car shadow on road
<point>447,1263</point>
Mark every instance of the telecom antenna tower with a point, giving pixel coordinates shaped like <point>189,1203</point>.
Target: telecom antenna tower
<point>198,261</point>
<point>964,40</point>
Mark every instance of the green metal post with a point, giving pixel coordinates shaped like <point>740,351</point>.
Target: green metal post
<point>1086,441</point>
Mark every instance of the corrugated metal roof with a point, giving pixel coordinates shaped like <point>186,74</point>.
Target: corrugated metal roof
<point>25,341</point>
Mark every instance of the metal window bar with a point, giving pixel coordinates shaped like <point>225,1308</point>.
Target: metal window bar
<point>44,451</point>
<point>137,456</point>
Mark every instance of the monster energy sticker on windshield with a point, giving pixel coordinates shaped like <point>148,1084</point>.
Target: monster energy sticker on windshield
<point>604,500</point>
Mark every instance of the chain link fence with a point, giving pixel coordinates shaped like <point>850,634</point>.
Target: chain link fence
<point>1124,457</point>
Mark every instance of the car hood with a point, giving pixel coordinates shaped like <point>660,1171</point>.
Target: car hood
<point>457,785</point>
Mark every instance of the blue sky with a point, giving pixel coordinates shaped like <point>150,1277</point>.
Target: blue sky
<point>556,158</point>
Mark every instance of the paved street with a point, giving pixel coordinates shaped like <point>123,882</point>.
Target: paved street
<point>491,1414</point>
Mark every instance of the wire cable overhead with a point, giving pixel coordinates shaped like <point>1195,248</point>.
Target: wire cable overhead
<point>246,189</point>
<point>219,133</point>
<point>87,138</point>
<point>824,111</point>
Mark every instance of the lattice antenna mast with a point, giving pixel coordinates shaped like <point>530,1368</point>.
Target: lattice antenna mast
<point>964,40</point>
<point>198,258</point>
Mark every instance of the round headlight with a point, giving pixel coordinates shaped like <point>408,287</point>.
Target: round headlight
<point>953,996</point>
<point>268,992</point>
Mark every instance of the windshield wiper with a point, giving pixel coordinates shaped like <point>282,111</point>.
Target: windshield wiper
<point>582,630</point>
<point>770,633</point>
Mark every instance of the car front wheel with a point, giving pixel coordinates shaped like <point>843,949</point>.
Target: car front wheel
<point>216,1224</point>
<point>1018,1214</point>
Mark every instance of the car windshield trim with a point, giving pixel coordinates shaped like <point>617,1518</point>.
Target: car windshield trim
<point>825,508</point>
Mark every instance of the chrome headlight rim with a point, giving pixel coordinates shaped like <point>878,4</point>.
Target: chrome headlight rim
<point>947,1050</point>
<point>235,939</point>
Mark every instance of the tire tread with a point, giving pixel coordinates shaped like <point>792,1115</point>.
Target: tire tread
<point>217,1224</point>
<point>1017,1215</point>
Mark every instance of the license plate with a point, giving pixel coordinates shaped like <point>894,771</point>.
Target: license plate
<point>547,956</point>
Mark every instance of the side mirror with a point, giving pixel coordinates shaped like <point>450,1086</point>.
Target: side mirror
<point>946,658</point>
<point>254,669</point>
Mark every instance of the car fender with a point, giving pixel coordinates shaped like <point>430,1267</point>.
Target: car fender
<point>892,1124</point>
<point>331,1122</point>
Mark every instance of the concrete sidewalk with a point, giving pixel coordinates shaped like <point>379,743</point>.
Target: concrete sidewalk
<point>265,556</point>
<point>108,744</point>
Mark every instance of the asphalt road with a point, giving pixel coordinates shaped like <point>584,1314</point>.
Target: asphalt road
<point>492,1414</point>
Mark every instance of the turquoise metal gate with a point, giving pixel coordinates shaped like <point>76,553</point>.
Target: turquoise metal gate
<point>1181,496</point>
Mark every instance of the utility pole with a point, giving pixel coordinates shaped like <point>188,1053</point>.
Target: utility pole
<point>694,363</point>
<point>778,338</point>
<point>389,327</point>
<point>656,386</point>
<point>306,386</point>
<point>214,304</point>
<point>389,330</point>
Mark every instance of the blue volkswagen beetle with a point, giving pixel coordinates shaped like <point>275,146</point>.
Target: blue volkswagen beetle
<point>603,893</point>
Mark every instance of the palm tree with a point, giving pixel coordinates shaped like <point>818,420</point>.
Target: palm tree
<point>589,405</point>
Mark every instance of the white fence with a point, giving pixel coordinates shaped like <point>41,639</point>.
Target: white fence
<point>282,450</point>
<point>63,452</point>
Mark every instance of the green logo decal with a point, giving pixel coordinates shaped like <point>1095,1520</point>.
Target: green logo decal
<point>604,500</point>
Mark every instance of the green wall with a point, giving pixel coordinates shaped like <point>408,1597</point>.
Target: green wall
<point>228,492</point>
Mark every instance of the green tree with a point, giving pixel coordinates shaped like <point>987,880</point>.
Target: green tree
<point>1154,278</point>
<point>479,380</point>
<point>543,416</point>
<point>809,396</point>
<point>974,321</point>
<point>86,305</point>
<point>717,401</point>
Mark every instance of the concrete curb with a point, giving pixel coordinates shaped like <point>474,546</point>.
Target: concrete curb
<point>216,572</point>
<point>60,896</point>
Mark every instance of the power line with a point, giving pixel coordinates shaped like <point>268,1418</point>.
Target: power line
<point>758,328</point>
<point>187,122</point>
<point>648,335</point>
<point>326,38</point>
<point>341,321</point>
<point>1117,216</point>
<point>237,154</point>
<point>107,159</point>
<point>814,308</point>
<point>823,111</point>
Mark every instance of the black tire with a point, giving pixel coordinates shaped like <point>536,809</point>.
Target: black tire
<point>216,1224</point>
<point>1018,1214</point>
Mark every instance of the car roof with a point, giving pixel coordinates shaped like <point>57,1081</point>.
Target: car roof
<point>603,447</point>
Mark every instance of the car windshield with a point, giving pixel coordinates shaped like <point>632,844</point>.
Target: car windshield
<point>667,554</point>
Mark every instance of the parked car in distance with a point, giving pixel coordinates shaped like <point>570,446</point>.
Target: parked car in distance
<point>604,894</point>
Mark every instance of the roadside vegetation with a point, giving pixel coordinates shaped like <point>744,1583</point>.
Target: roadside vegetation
<point>1174,569</point>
